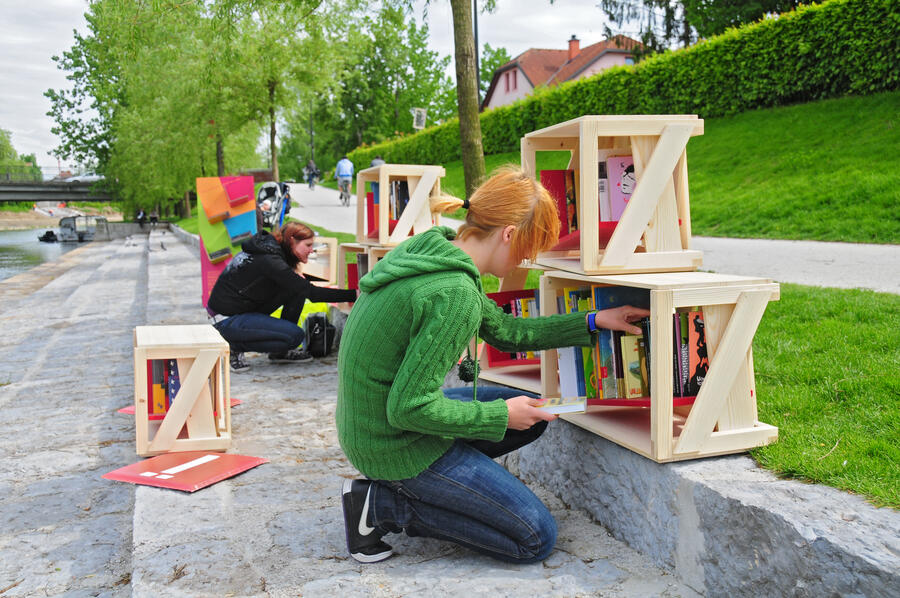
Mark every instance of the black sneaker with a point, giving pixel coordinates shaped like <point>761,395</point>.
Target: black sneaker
<point>238,365</point>
<point>292,356</point>
<point>363,541</point>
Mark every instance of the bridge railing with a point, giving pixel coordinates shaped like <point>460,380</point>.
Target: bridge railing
<point>20,173</point>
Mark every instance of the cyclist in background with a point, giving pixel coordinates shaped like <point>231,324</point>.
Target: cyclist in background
<point>343,172</point>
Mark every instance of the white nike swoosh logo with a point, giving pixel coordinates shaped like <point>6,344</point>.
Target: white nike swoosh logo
<point>365,530</point>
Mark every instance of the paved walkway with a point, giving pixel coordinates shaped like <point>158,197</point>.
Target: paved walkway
<point>841,265</point>
<point>276,530</point>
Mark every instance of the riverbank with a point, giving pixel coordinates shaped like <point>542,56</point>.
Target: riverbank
<point>11,220</point>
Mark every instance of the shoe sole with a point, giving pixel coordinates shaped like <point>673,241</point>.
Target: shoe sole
<point>362,558</point>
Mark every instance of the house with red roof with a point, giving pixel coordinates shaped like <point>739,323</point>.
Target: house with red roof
<point>518,77</point>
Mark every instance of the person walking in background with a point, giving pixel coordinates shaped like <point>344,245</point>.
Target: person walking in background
<point>376,161</point>
<point>312,173</point>
<point>343,172</point>
<point>428,454</point>
<point>259,280</point>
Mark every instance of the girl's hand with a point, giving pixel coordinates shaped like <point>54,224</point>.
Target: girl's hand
<point>524,412</point>
<point>620,318</point>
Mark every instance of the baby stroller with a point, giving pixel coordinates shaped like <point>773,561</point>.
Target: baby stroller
<point>273,200</point>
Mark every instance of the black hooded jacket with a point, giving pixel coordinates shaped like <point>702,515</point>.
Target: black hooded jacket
<point>259,279</point>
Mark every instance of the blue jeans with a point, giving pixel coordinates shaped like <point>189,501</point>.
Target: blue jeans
<point>260,332</point>
<point>467,498</point>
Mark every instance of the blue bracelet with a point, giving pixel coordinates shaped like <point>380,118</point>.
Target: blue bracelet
<point>592,322</point>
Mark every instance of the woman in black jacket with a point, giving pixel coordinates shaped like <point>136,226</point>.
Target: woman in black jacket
<point>259,280</point>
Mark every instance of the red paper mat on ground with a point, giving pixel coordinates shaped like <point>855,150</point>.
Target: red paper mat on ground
<point>129,410</point>
<point>187,471</point>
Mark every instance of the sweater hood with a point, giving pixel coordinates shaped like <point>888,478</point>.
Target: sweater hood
<point>425,253</point>
<point>262,242</point>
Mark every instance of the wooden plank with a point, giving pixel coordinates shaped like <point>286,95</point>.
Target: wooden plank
<point>625,125</point>
<point>163,337</point>
<point>200,421</point>
<point>645,198</point>
<point>738,441</point>
<point>661,391</point>
<point>740,405</point>
<point>141,401</point>
<point>527,156</point>
<point>192,391</point>
<point>523,377</point>
<point>720,295</point>
<point>682,201</point>
<point>626,426</point>
<point>662,232</point>
<point>587,188</point>
<point>661,261</point>
<point>723,368</point>
<point>361,206</point>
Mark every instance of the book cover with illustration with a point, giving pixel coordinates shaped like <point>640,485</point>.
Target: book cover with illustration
<point>621,184</point>
<point>554,181</point>
<point>606,297</point>
<point>684,351</point>
<point>631,362</point>
<point>698,359</point>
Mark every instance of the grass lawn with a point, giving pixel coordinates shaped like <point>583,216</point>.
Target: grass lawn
<point>827,364</point>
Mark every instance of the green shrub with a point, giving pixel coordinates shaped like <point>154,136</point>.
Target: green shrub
<point>841,47</point>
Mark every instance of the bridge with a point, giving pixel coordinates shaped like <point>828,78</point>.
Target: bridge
<point>51,191</point>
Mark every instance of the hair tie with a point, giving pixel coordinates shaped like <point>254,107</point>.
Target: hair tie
<point>465,204</point>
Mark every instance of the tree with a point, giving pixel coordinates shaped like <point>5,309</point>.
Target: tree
<point>7,152</point>
<point>712,17</point>
<point>491,60</point>
<point>467,96</point>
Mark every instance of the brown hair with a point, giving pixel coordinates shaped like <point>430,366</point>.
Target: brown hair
<point>287,235</point>
<point>509,197</point>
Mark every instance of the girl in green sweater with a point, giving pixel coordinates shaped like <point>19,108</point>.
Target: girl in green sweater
<point>426,453</point>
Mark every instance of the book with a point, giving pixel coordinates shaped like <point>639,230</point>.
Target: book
<point>684,354</point>
<point>591,384</point>
<point>157,398</point>
<point>621,184</point>
<point>571,202</point>
<point>554,181</point>
<point>173,384</point>
<point>698,359</point>
<point>564,405</point>
<point>631,360</point>
<point>568,385</point>
<point>677,388</point>
<point>603,192</point>
<point>644,323</point>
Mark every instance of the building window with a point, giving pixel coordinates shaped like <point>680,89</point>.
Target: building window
<point>514,73</point>
<point>506,81</point>
<point>629,60</point>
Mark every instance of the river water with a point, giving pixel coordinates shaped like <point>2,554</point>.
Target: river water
<point>20,250</point>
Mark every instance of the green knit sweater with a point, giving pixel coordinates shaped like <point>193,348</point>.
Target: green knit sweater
<point>419,308</point>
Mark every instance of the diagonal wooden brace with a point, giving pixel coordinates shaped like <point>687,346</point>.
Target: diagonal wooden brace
<point>418,203</point>
<point>656,177</point>
<point>193,399</point>
<point>730,355</point>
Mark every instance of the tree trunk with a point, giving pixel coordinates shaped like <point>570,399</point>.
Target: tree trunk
<point>467,96</point>
<point>220,155</point>
<point>272,147</point>
<point>186,205</point>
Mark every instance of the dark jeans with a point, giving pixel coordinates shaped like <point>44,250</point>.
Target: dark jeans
<point>467,498</point>
<point>261,332</point>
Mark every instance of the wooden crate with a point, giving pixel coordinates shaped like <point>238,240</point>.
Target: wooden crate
<point>323,264</point>
<point>199,418</point>
<point>654,232</point>
<point>723,417</point>
<point>373,252</point>
<point>423,182</point>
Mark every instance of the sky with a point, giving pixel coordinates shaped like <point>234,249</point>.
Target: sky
<point>36,30</point>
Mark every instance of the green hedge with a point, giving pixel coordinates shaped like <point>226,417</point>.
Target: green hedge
<point>841,47</point>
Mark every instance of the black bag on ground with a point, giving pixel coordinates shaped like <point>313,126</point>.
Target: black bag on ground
<point>319,334</point>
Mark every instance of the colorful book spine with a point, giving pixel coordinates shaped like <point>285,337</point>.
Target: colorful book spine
<point>684,350</point>
<point>631,360</point>
<point>158,401</point>
<point>698,359</point>
<point>173,384</point>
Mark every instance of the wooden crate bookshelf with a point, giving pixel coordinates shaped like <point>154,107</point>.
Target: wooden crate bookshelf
<point>525,376</point>
<point>199,417</point>
<point>323,264</point>
<point>423,182</point>
<point>374,253</point>
<point>653,233</point>
<point>723,417</point>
